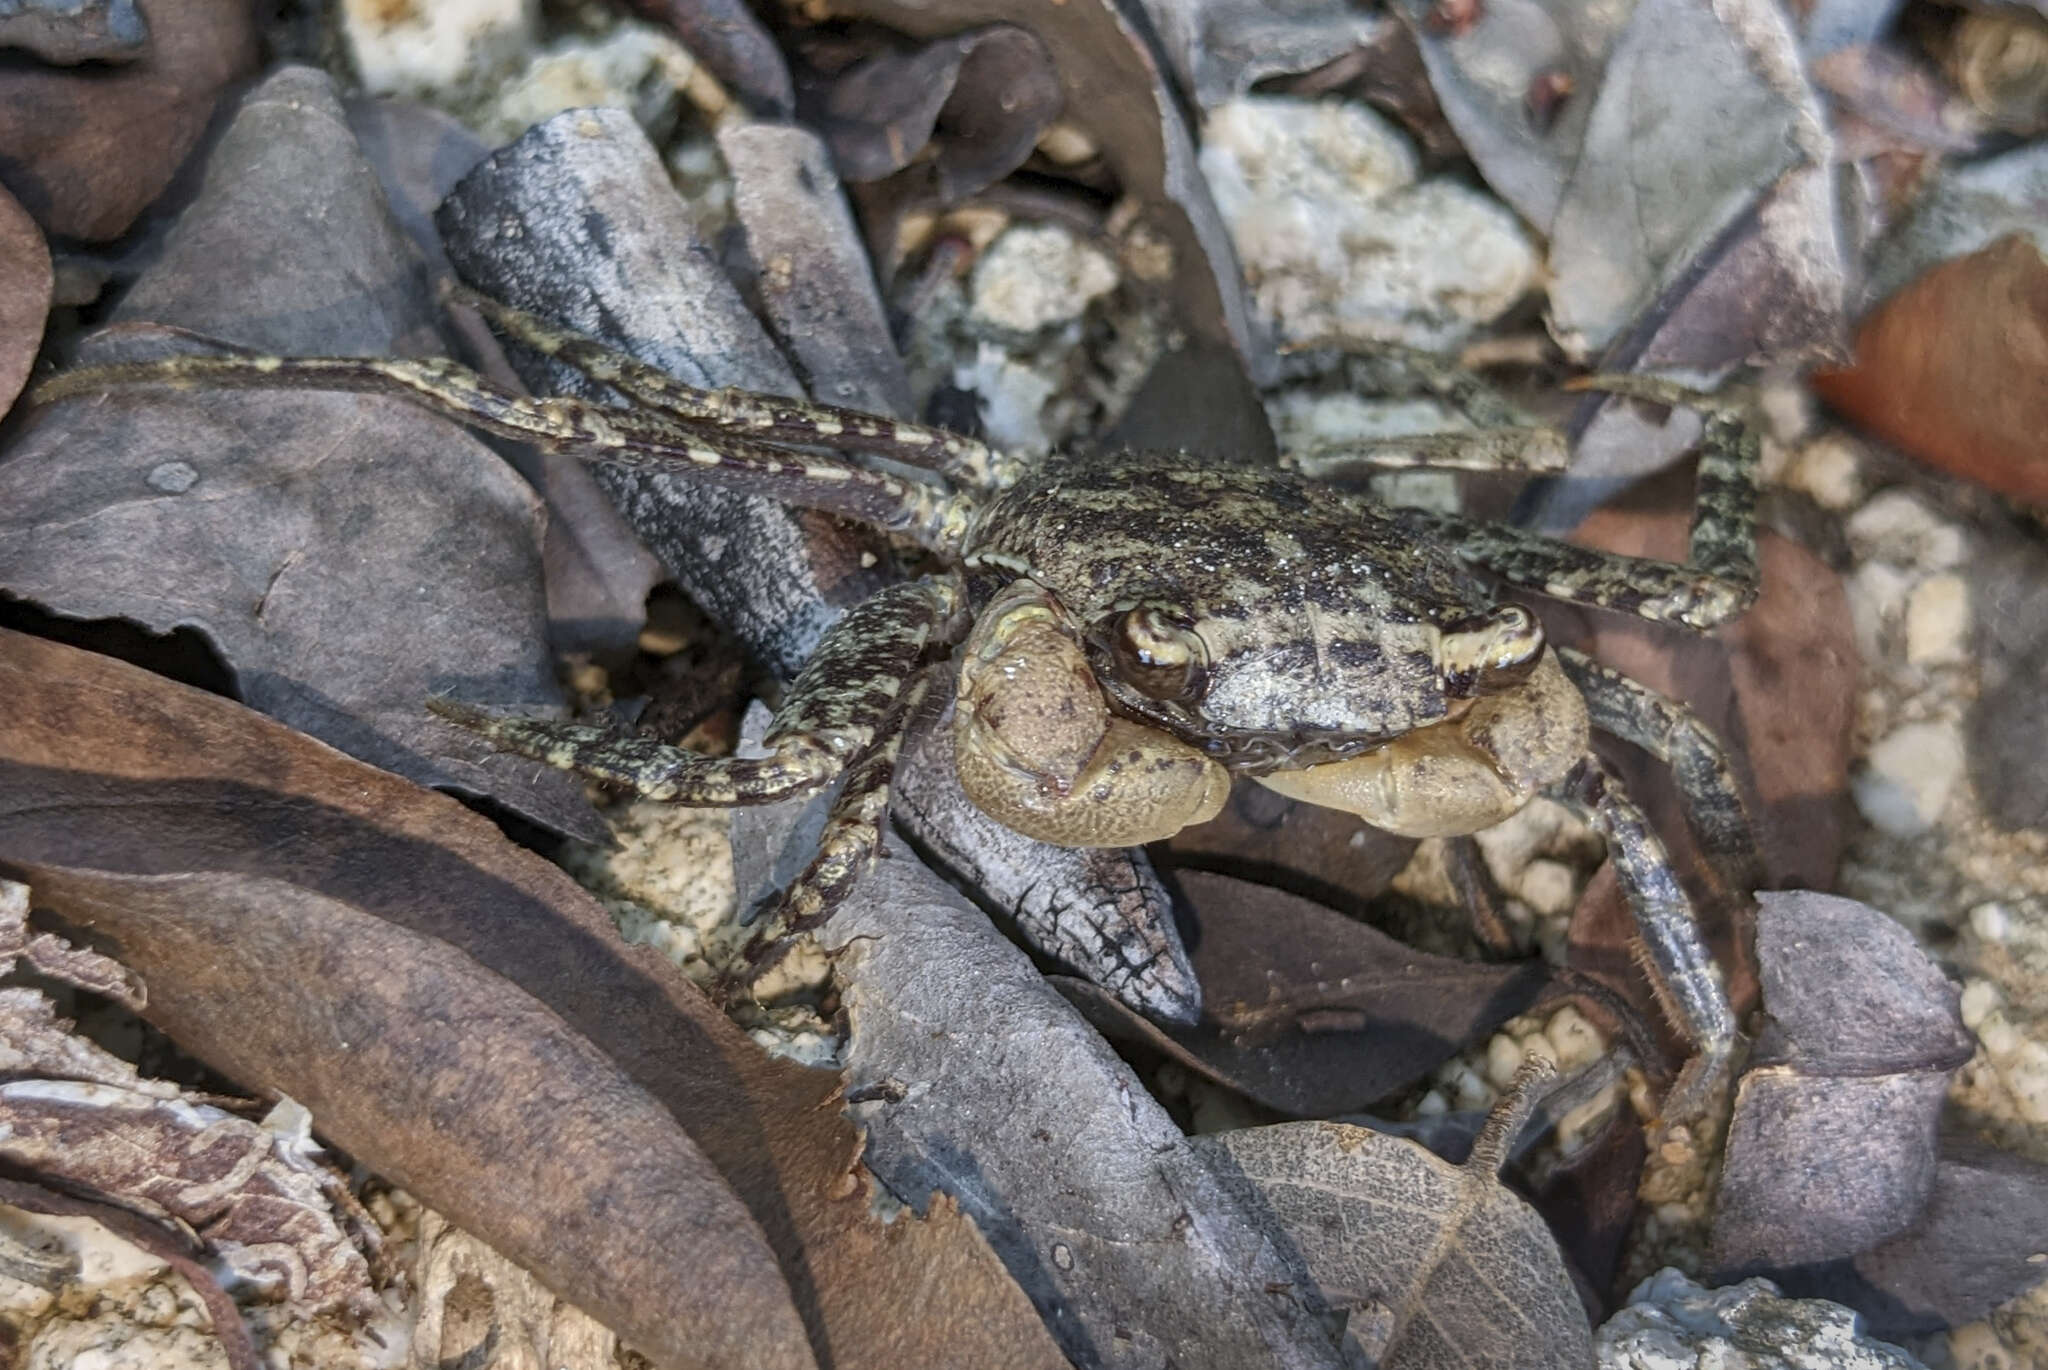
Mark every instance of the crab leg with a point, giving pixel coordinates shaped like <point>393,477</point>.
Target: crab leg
<point>1672,733</point>
<point>1718,580</point>
<point>591,432</point>
<point>1687,982</point>
<point>839,707</point>
<point>771,418</point>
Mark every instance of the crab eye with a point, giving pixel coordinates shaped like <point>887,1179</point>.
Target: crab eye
<point>1492,651</point>
<point>1158,657</point>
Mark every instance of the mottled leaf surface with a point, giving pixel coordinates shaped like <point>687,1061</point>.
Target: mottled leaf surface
<point>1438,1265</point>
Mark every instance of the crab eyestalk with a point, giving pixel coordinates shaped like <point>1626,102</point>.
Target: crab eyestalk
<point>1038,749</point>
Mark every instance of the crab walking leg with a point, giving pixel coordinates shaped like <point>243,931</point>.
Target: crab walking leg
<point>1667,730</point>
<point>771,418</point>
<point>1687,982</point>
<point>1718,581</point>
<point>590,432</point>
<point>1525,449</point>
<point>837,708</point>
<point>849,844</point>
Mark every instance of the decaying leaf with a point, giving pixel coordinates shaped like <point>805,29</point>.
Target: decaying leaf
<point>1221,48</point>
<point>1950,368</point>
<point>726,37</point>
<point>974,1079</point>
<point>1832,1148</point>
<point>1438,1265</point>
<point>88,149</point>
<point>1311,1013</point>
<point>460,1016</point>
<point>347,555</point>
<point>1975,1246</point>
<point>959,113</point>
<point>25,285</point>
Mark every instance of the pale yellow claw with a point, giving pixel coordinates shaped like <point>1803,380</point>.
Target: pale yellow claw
<point>1461,776</point>
<point>1039,751</point>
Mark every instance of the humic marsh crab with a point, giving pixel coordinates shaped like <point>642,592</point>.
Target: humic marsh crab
<point>1130,633</point>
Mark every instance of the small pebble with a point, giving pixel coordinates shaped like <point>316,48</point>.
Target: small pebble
<point>1829,470</point>
<point>1549,887</point>
<point>171,477</point>
<point>1877,594</point>
<point>1911,774</point>
<point>1991,921</point>
<point>1938,621</point>
<point>1576,1041</point>
<point>1503,1059</point>
<point>420,47</point>
<point>1980,1000</point>
<point>1899,527</point>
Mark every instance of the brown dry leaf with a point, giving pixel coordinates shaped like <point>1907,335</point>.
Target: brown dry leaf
<point>1309,1012</point>
<point>347,556</point>
<point>1439,1265</point>
<point>1832,1147</point>
<point>26,282</point>
<point>460,1016</point>
<point>727,37</point>
<point>1951,368</point>
<point>88,150</point>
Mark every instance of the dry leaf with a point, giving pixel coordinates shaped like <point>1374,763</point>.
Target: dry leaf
<point>1952,369</point>
<point>88,150</point>
<point>1438,1265</point>
<point>462,1017</point>
<point>973,1078</point>
<point>1832,1148</point>
<point>726,37</point>
<point>1221,48</point>
<point>25,285</point>
<point>348,556</point>
<point>1311,1013</point>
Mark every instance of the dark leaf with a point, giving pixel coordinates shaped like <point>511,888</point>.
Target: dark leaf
<point>68,32</point>
<point>1832,1148</point>
<point>1950,369</point>
<point>1590,1204</point>
<point>86,151</point>
<point>1221,48</point>
<point>25,285</point>
<point>1311,1013</point>
<point>973,1078</point>
<point>966,110</point>
<point>598,575</point>
<point>348,556</point>
<point>726,37</point>
<point>1438,1265</point>
<point>1976,1246</point>
<point>461,1017</point>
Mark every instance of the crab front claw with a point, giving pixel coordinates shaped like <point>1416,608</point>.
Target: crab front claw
<point>1460,776</point>
<point>1039,750</point>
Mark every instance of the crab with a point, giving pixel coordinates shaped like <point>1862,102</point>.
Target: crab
<point>1128,635</point>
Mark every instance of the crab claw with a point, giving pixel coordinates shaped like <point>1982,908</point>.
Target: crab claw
<point>1458,777</point>
<point>1039,751</point>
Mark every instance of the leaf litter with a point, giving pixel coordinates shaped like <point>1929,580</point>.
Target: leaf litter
<point>1577,121</point>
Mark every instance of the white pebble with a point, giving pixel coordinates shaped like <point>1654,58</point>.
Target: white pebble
<point>1503,1059</point>
<point>1938,621</point>
<point>417,47</point>
<point>1038,275</point>
<point>1899,527</point>
<point>634,67</point>
<point>1911,774</point>
<point>1577,1041</point>
<point>1980,1000</point>
<point>1338,240</point>
<point>1549,887</point>
<point>1991,921</point>
<point>1877,595</point>
<point>1829,470</point>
